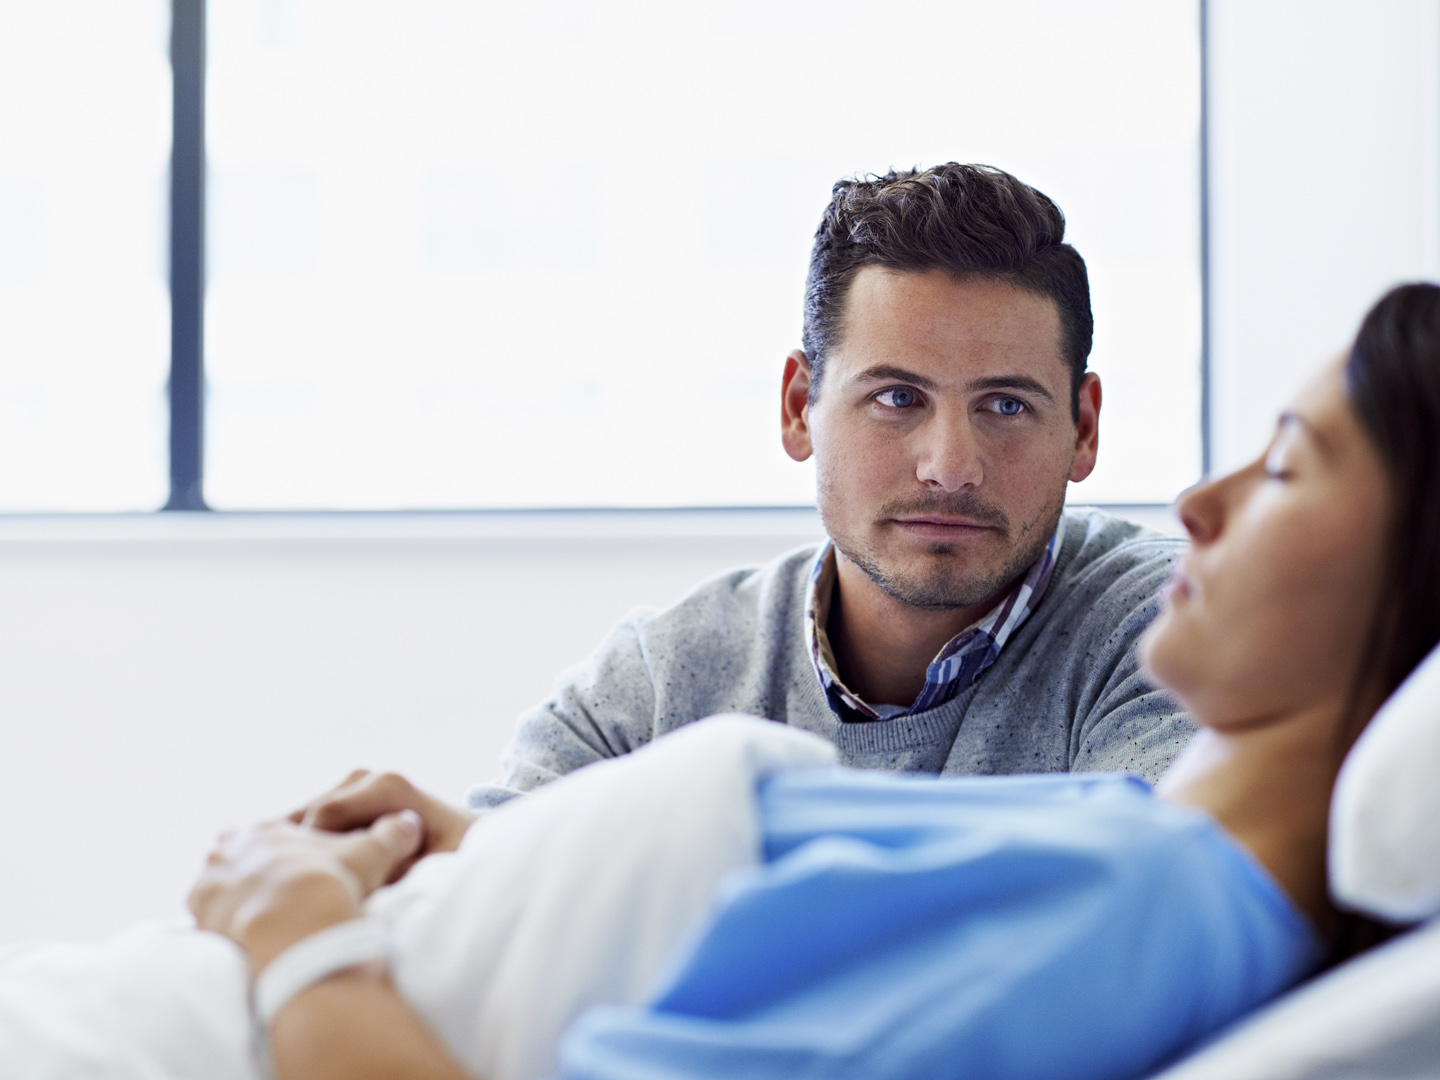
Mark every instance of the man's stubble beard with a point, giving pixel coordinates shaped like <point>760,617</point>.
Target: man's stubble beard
<point>937,585</point>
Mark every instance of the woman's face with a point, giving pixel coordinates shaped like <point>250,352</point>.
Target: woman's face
<point>1271,607</point>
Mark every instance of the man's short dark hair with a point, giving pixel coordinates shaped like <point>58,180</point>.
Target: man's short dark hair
<point>972,221</point>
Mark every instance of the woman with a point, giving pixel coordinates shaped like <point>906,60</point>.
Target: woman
<point>1040,926</point>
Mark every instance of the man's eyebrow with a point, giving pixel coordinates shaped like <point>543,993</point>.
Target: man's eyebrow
<point>1013,382</point>
<point>884,372</point>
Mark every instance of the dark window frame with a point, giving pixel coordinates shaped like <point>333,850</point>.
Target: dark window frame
<point>187,258</point>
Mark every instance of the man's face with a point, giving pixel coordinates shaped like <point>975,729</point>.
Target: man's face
<point>942,434</point>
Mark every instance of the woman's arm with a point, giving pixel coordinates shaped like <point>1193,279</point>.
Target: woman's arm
<point>354,1026</point>
<point>269,887</point>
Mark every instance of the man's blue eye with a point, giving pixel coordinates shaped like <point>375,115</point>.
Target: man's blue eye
<point>1009,407</point>
<point>897,399</point>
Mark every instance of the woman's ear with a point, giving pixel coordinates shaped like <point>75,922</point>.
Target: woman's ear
<point>795,406</point>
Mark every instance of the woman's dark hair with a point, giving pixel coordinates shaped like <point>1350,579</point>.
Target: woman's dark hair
<point>972,221</point>
<point>1392,379</point>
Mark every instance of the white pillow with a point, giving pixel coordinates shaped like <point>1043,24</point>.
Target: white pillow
<point>1373,1018</point>
<point>1385,816</point>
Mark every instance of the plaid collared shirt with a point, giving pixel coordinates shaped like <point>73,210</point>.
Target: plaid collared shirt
<point>956,666</point>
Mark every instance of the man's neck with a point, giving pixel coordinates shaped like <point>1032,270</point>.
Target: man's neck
<point>883,646</point>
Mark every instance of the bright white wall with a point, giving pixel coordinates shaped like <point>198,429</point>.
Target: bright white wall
<point>161,678</point>
<point>1324,123</point>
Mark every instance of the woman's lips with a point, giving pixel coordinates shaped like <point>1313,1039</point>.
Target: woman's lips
<point>1178,587</point>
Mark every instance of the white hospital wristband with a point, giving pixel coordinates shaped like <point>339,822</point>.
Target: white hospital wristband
<point>313,958</point>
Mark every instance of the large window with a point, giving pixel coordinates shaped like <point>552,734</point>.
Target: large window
<point>466,254</point>
<point>84,321</point>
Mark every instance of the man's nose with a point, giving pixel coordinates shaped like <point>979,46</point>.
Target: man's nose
<point>948,455</point>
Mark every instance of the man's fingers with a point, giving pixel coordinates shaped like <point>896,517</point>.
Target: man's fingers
<point>358,804</point>
<point>373,855</point>
<point>356,777</point>
<point>371,796</point>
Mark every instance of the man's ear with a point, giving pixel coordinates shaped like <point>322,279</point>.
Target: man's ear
<point>1087,428</point>
<point>795,406</point>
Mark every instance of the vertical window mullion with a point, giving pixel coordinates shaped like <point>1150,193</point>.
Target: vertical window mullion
<point>187,258</point>
<point>1206,436</point>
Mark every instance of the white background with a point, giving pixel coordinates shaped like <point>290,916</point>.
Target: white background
<point>163,677</point>
<point>1324,189</point>
<point>84,309</point>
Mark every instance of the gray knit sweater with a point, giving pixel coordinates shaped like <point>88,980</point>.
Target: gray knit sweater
<point>1065,693</point>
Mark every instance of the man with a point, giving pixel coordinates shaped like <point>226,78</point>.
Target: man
<point>957,621</point>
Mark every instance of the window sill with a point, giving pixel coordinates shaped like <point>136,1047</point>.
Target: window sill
<point>798,523</point>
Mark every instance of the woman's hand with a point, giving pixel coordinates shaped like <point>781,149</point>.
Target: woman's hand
<point>268,886</point>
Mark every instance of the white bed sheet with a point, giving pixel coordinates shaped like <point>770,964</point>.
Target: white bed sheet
<point>575,895</point>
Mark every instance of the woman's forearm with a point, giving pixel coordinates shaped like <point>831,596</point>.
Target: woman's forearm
<point>273,886</point>
<point>354,1026</point>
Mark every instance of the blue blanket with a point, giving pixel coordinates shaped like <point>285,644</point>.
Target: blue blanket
<point>1011,927</point>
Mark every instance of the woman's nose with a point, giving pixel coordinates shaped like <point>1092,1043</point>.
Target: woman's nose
<point>1201,510</point>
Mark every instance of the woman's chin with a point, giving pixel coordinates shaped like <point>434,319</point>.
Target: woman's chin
<point>1165,659</point>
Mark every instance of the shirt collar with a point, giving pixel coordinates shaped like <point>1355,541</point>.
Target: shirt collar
<point>958,665</point>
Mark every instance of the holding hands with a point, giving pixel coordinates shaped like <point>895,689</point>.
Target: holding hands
<point>269,886</point>
<point>363,797</point>
<point>276,884</point>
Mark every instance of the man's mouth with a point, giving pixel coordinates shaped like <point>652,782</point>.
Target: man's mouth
<point>958,517</point>
<point>940,526</point>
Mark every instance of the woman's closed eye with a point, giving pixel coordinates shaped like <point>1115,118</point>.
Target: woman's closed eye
<point>1277,463</point>
<point>1282,454</point>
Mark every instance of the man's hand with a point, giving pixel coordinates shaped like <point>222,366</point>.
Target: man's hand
<point>268,886</point>
<point>363,797</point>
